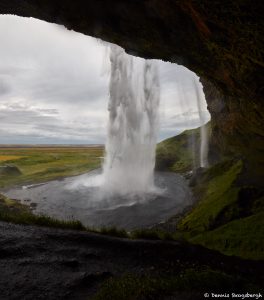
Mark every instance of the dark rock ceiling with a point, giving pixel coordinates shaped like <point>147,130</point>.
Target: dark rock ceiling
<point>220,40</point>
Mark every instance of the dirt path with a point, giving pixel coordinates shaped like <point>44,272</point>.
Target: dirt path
<point>45,263</point>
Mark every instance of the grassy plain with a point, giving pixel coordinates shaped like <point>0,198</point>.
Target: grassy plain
<point>38,164</point>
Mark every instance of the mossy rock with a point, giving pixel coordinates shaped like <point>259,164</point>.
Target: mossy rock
<point>228,216</point>
<point>241,237</point>
<point>216,194</point>
<point>10,170</point>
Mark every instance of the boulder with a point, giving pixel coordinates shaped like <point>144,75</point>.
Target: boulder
<point>9,170</point>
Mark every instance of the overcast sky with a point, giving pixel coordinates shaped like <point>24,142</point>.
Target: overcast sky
<point>54,88</point>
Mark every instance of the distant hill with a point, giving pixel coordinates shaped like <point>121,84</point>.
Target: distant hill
<point>179,153</point>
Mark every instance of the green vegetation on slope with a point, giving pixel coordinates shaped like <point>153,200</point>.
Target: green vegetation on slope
<point>43,164</point>
<point>228,217</point>
<point>179,153</point>
<point>14,212</point>
<point>242,237</point>
<point>190,282</point>
<point>218,194</point>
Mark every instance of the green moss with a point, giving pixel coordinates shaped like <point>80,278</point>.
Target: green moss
<point>191,281</point>
<point>9,170</point>
<point>9,205</point>
<point>29,219</point>
<point>151,234</point>
<point>228,217</point>
<point>258,205</point>
<point>243,237</point>
<point>219,192</point>
<point>14,212</point>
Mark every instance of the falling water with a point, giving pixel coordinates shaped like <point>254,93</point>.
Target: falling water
<point>132,129</point>
<point>203,128</point>
<point>187,115</point>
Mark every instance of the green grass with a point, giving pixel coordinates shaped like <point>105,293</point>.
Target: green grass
<point>228,217</point>
<point>243,237</point>
<point>175,154</point>
<point>14,212</point>
<point>151,234</point>
<point>194,282</point>
<point>219,193</point>
<point>44,164</point>
<point>180,153</point>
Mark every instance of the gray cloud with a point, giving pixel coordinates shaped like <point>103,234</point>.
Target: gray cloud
<point>23,117</point>
<point>4,87</point>
<point>32,124</point>
<point>52,89</point>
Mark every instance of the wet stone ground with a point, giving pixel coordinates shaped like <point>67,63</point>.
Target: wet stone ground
<point>45,263</point>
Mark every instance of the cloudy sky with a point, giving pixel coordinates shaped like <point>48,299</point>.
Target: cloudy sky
<point>54,88</point>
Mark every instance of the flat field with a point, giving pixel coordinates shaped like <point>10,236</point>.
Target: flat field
<point>40,164</point>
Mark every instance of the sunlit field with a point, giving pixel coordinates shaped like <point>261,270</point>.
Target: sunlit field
<point>9,157</point>
<point>38,164</point>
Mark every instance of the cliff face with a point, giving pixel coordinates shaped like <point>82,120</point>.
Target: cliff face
<point>221,41</point>
<point>237,131</point>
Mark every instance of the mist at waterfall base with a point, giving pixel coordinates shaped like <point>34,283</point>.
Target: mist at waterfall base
<point>125,192</point>
<point>134,97</point>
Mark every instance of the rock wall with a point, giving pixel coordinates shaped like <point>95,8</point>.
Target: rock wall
<point>237,130</point>
<point>222,41</point>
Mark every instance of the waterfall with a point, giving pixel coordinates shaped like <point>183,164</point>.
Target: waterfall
<point>187,114</point>
<point>134,96</point>
<point>203,128</point>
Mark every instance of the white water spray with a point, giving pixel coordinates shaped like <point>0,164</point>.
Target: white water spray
<point>133,124</point>
<point>203,128</point>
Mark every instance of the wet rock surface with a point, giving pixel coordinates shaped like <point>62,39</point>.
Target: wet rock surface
<point>45,263</point>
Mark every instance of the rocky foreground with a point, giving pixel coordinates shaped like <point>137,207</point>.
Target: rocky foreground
<point>46,263</point>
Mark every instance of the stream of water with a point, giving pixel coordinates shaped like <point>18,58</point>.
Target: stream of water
<point>133,125</point>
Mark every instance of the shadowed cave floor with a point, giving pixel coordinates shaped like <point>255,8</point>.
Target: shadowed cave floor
<point>45,263</point>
